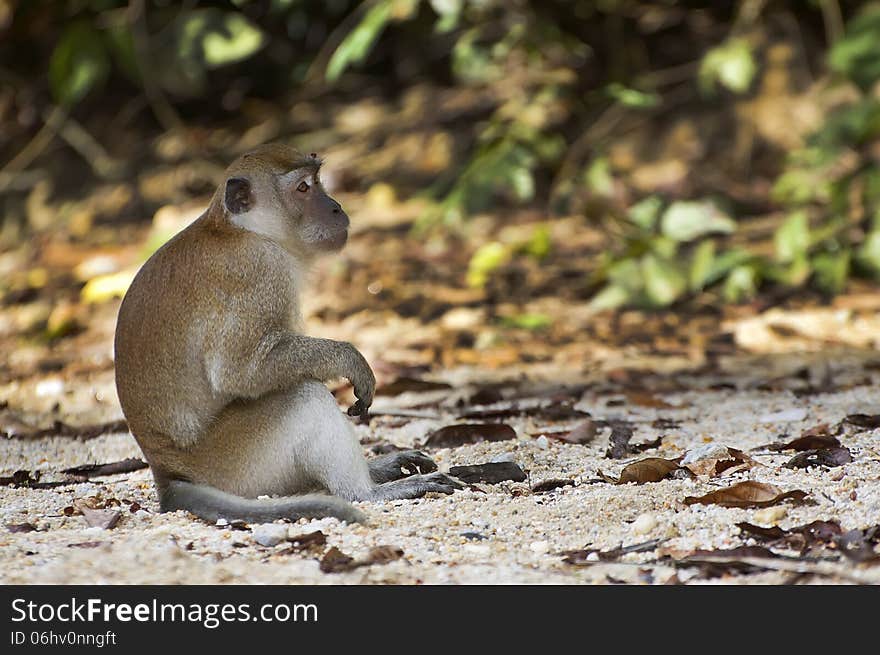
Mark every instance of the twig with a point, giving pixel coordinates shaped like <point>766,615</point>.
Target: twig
<point>104,166</point>
<point>32,150</point>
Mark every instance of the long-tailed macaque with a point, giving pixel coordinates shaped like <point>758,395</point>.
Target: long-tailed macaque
<point>222,390</point>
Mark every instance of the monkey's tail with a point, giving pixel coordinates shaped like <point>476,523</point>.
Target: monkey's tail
<point>212,504</point>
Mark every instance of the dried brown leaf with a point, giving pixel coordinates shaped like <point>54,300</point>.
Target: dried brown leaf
<point>650,469</point>
<point>829,457</point>
<point>490,473</point>
<point>21,527</point>
<point>452,436</point>
<point>551,484</point>
<point>746,494</point>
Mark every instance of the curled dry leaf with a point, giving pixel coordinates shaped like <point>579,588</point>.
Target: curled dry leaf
<point>490,472</point>
<point>859,545</point>
<point>746,494</point>
<point>469,433</point>
<point>335,561</point>
<point>643,399</point>
<point>866,421</point>
<point>307,541</point>
<point>582,557</point>
<point>618,442</point>
<point>551,484</point>
<point>650,469</point>
<point>817,437</point>
<point>720,460</point>
<point>583,433</point>
<point>21,527</point>
<point>829,457</point>
<point>800,537</point>
<point>98,518</point>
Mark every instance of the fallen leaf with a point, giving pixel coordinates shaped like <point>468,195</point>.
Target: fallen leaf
<point>551,484</point>
<point>858,545</point>
<point>866,421</point>
<point>113,468</point>
<point>21,527</point>
<point>746,494</point>
<point>490,472</point>
<point>98,518</point>
<point>556,411</point>
<point>382,555</point>
<point>715,459</point>
<point>618,442</point>
<point>582,557</point>
<point>307,541</point>
<point>829,457</point>
<point>817,437</point>
<point>583,433</point>
<point>649,400</point>
<point>650,469</point>
<point>335,561</point>
<point>452,436</point>
<point>801,537</point>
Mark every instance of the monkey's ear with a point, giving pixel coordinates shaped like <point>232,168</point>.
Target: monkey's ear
<point>238,197</point>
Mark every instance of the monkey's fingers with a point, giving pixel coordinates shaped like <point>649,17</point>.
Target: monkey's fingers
<point>357,409</point>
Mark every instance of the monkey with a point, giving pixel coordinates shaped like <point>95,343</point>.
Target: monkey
<point>223,392</point>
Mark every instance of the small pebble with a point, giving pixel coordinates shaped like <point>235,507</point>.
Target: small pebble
<point>786,415</point>
<point>269,534</point>
<point>540,547</point>
<point>542,442</point>
<point>644,523</point>
<point>503,457</point>
<point>770,515</point>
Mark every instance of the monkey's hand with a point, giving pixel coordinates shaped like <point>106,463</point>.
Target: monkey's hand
<point>361,377</point>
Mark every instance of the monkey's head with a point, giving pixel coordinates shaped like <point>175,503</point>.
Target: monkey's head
<point>275,191</point>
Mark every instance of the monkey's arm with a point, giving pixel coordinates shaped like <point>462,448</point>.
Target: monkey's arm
<point>283,358</point>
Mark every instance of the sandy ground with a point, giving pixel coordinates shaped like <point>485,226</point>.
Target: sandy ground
<point>486,534</point>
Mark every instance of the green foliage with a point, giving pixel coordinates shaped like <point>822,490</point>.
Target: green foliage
<point>79,63</point>
<point>857,55</point>
<point>356,45</point>
<point>731,64</point>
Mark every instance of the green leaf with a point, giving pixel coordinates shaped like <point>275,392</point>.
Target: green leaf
<point>731,64</point>
<point>792,238</point>
<point>449,12</point>
<point>632,97</point>
<point>598,177</point>
<point>486,259</point>
<point>831,270</point>
<point>869,253</point>
<point>539,244</point>
<point>741,284</point>
<point>688,220</point>
<point>610,297</point>
<point>645,212</point>
<point>532,322</point>
<point>664,280</point>
<point>78,64</point>
<point>357,45</point>
<point>235,40</point>
<point>857,54</point>
<point>701,265</point>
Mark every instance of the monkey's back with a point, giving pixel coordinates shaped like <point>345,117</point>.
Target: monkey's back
<point>195,294</point>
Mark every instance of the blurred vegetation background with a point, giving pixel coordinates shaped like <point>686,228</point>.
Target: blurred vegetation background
<point>720,150</point>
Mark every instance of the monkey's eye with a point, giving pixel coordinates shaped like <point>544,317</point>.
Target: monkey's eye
<point>303,187</point>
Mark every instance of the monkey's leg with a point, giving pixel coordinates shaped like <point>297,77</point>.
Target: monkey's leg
<point>327,450</point>
<point>395,466</point>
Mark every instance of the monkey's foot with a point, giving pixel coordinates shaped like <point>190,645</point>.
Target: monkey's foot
<point>395,466</point>
<point>416,486</point>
